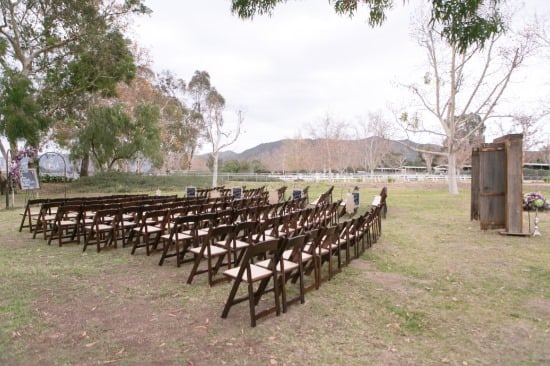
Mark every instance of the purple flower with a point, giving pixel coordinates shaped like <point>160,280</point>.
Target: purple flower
<point>533,200</point>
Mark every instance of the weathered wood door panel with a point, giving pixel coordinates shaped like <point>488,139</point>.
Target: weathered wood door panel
<point>492,186</point>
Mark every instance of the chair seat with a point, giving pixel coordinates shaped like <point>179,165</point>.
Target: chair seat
<point>269,237</point>
<point>322,252</point>
<point>150,229</point>
<point>127,224</point>
<point>240,244</point>
<point>179,236</point>
<point>257,273</point>
<point>66,222</point>
<point>305,256</point>
<point>214,251</point>
<point>100,227</point>
<point>202,232</point>
<point>289,266</point>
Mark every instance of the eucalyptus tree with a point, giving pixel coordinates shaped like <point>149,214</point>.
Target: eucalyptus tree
<point>54,54</point>
<point>182,126</point>
<point>112,135</point>
<point>217,133</point>
<point>463,23</point>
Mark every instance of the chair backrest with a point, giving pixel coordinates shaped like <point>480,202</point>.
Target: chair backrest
<point>69,211</point>
<point>296,245</point>
<point>245,231</point>
<point>270,227</point>
<point>272,249</point>
<point>109,216</point>
<point>329,237</point>
<point>225,217</point>
<point>131,213</point>
<point>221,234</point>
<point>154,217</point>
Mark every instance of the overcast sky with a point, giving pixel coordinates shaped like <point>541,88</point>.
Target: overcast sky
<point>290,70</point>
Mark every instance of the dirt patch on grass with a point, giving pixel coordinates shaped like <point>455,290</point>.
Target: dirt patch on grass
<point>390,281</point>
<point>539,308</point>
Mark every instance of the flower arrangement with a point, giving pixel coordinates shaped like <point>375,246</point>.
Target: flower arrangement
<point>15,166</point>
<point>534,200</point>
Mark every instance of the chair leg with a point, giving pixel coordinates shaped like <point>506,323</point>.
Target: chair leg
<point>251,304</point>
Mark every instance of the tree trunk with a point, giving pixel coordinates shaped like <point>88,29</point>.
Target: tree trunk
<point>214,169</point>
<point>451,173</point>
<point>85,165</point>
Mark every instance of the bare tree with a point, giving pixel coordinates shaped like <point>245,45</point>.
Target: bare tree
<point>294,150</point>
<point>459,85</point>
<point>374,132</point>
<point>216,133</point>
<point>329,133</point>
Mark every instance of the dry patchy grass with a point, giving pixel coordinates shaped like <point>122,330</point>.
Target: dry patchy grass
<point>434,290</point>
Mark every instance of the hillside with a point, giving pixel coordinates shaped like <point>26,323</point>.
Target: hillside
<point>307,154</point>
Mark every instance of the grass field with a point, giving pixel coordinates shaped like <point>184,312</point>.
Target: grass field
<point>434,290</point>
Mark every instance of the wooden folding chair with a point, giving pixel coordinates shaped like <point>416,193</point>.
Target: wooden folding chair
<point>342,232</point>
<point>250,274</point>
<point>31,213</point>
<point>46,218</point>
<point>129,218</point>
<point>102,230</point>
<point>268,229</point>
<point>213,248</point>
<point>66,225</point>
<point>290,266</point>
<point>242,237</point>
<point>150,229</point>
<point>182,235</point>
<point>355,235</point>
<point>328,248</point>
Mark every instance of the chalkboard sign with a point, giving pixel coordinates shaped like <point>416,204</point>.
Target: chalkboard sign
<point>29,179</point>
<point>191,192</point>
<point>296,194</point>
<point>356,199</point>
<point>237,192</point>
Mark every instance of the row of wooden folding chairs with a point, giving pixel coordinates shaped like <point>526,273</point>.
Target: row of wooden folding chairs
<point>223,216</point>
<point>286,260</point>
<point>33,208</point>
<point>311,249</point>
<point>157,222</point>
<point>64,220</point>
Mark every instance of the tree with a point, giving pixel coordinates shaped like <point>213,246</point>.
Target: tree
<point>112,135</point>
<point>462,88</point>
<point>217,135</point>
<point>469,134</point>
<point>20,111</point>
<point>528,124</point>
<point>462,23</point>
<point>182,127</point>
<point>65,49</point>
<point>329,133</point>
<point>231,166</point>
<point>374,133</point>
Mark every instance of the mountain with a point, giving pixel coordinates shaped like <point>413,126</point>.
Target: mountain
<point>308,154</point>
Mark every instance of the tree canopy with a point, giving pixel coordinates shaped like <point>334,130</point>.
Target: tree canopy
<point>464,22</point>
<point>112,135</point>
<point>62,50</point>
